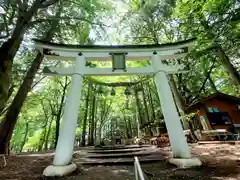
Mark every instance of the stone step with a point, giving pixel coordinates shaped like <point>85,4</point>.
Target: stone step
<point>119,155</point>
<point>217,142</point>
<point>117,151</point>
<point>120,161</point>
<point>120,147</point>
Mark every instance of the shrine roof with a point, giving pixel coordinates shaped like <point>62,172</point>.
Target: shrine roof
<point>50,45</point>
<point>218,96</point>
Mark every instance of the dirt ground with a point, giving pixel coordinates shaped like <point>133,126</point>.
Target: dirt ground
<point>220,162</point>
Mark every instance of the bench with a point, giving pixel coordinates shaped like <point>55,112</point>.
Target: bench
<point>221,134</point>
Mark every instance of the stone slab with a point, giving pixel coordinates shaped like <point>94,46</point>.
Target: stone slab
<point>185,163</point>
<point>119,155</point>
<point>59,171</point>
<point>120,161</point>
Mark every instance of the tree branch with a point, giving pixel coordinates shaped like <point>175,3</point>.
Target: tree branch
<point>45,3</point>
<point>53,18</point>
<point>5,27</point>
<point>203,84</point>
<point>22,4</point>
<point>19,3</point>
<point>38,82</point>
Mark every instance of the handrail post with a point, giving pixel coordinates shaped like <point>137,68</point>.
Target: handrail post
<point>138,169</point>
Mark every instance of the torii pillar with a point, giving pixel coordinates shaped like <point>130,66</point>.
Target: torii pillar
<point>180,150</point>
<point>62,164</point>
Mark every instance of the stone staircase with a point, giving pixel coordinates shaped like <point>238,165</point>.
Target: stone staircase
<point>118,155</point>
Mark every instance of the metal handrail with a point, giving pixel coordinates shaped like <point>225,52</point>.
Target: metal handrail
<point>138,169</point>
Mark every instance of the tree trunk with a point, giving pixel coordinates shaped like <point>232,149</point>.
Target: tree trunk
<point>146,113</point>
<point>98,136</point>
<point>234,75</point>
<point>89,120</point>
<point>130,127</point>
<point>41,142</point>
<point>43,137</point>
<point>178,97</point>
<point>126,126</point>
<point>136,124</point>
<point>10,91</point>
<point>47,136</point>
<point>231,70</point>
<point>5,76</point>
<point>25,137</point>
<point>212,84</point>
<point>59,113</point>
<point>138,106</point>
<point>154,91</point>
<point>10,119</point>
<point>180,104</point>
<point>9,49</point>
<point>92,121</point>
<point>57,131</point>
<point>86,115</point>
<point>151,103</point>
<point>96,119</point>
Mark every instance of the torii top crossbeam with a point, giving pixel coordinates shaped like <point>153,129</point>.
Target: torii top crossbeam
<point>56,51</point>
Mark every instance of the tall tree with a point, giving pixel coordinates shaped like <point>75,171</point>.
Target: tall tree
<point>93,114</point>
<point>10,119</point>
<point>86,114</point>
<point>211,24</point>
<point>26,10</point>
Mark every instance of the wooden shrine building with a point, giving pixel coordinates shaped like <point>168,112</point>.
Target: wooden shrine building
<point>217,111</point>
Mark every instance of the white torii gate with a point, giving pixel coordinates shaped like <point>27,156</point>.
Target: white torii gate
<point>79,54</point>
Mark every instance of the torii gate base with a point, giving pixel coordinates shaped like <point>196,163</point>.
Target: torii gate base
<point>155,53</point>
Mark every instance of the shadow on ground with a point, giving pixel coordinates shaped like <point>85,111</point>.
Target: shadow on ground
<point>220,163</point>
